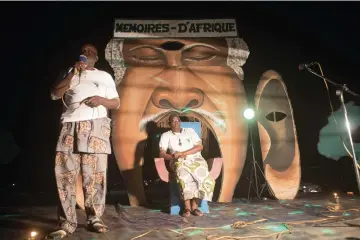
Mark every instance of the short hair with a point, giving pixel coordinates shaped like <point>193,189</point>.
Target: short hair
<point>174,115</point>
<point>89,44</point>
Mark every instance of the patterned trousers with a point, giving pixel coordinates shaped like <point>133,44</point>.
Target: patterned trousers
<point>82,148</point>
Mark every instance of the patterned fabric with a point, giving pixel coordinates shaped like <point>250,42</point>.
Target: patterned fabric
<point>82,148</point>
<point>191,173</point>
<point>193,178</point>
<point>92,136</point>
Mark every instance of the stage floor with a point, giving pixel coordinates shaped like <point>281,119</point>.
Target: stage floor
<point>311,216</point>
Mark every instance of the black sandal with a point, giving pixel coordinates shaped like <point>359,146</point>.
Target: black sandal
<point>98,226</point>
<point>186,213</point>
<point>56,235</point>
<point>197,212</point>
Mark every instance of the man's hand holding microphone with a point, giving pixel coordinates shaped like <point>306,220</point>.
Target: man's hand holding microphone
<point>59,89</point>
<point>80,65</point>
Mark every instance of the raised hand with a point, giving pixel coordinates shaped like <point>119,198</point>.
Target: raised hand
<point>78,66</point>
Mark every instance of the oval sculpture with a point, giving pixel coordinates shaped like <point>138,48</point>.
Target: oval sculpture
<point>278,139</point>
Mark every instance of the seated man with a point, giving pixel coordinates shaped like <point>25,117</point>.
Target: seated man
<point>191,169</point>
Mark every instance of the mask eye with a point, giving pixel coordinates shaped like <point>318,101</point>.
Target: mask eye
<point>147,55</point>
<point>199,54</point>
<point>275,116</point>
<point>148,59</point>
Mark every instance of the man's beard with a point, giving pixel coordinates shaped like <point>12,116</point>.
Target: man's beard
<point>90,62</point>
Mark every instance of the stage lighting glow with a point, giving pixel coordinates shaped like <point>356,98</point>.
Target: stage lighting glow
<point>249,113</point>
<point>336,197</point>
<point>33,234</point>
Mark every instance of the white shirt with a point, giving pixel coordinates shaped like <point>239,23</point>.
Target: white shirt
<point>180,142</point>
<point>91,83</point>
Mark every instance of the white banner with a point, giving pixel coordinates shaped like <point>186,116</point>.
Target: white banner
<point>175,28</point>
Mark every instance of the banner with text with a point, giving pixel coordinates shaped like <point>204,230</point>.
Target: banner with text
<point>175,28</point>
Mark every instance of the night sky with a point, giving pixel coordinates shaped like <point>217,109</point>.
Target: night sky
<point>41,38</point>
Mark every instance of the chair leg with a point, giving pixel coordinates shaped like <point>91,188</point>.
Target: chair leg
<point>175,203</point>
<point>204,206</point>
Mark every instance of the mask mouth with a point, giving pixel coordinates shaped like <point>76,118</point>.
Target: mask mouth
<point>202,115</point>
<point>209,137</point>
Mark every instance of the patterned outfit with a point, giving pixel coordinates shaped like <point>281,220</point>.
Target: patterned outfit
<point>192,173</point>
<point>82,148</point>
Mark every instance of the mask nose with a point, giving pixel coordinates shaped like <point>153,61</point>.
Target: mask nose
<point>180,91</point>
<point>165,98</point>
<point>173,54</point>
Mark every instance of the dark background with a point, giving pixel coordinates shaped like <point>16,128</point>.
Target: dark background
<point>40,39</point>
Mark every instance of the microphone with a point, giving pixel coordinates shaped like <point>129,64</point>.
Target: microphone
<point>306,65</point>
<point>82,58</point>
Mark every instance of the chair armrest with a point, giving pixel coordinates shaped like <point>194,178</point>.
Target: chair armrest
<point>215,165</point>
<point>161,169</point>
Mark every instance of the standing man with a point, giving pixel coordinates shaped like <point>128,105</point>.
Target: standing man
<point>84,142</point>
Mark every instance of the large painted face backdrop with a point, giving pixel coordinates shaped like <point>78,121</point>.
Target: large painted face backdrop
<point>199,77</point>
